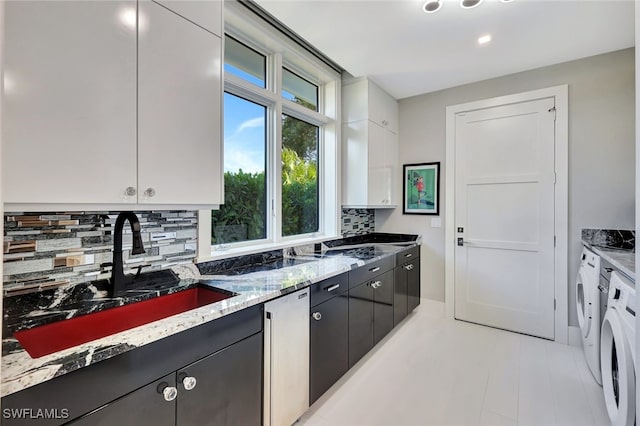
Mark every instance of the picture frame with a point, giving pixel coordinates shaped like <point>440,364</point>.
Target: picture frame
<point>421,188</point>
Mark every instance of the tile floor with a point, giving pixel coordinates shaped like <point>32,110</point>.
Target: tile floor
<point>432,371</point>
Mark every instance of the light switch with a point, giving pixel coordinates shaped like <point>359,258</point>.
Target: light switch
<point>436,222</point>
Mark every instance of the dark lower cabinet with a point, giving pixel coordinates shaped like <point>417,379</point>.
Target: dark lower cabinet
<point>361,311</point>
<point>370,314</point>
<point>329,344</point>
<point>224,388</point>
<point>145,406</point>
<point>383,306</point>
<point>406,295</point>
<point>228,387</point>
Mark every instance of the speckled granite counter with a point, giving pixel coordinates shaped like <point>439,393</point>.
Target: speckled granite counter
<point>20,371</point>
<point>616,246</point>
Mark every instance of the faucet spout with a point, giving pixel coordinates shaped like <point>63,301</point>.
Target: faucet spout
<point>118,280</point>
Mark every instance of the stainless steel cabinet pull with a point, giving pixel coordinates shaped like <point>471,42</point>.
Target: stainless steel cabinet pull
<point>150,192</point>
<point>376,284</point>
<point>317,316</point>
<point>409,267</point>
<point>408,255</point>
<point>189,382</point>
<point>333,287</point>
<point>130,191</point>
<point>376,269</point>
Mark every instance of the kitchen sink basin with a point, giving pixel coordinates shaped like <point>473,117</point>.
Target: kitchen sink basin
<point>49,338</point>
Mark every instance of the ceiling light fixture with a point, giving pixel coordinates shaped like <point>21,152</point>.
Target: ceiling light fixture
<point>469,4</point>
<point>484,39</point>
<point>432,6</point>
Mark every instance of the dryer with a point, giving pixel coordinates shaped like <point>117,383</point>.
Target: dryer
<point>617,352</point>
<point>588,307</point>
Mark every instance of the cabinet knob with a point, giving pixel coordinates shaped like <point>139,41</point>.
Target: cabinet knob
<point>317,316</point>
<point>385,123</point>
<point>409,267</point>
<point>376,284</point>
<point>170,393</point>
<point>150,192</point>
<point>130,191</point>
<point>189,382</point>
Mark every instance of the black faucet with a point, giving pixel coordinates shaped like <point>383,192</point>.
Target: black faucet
<point>118,279</point>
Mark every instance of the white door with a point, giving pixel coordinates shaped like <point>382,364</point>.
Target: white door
<point>504,217</point>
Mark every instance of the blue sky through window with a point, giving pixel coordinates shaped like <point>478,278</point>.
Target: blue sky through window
<point>244,135</point>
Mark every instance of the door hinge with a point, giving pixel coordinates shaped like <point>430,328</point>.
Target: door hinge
<point>555,178</point>
<point>554,241</point>
<point>554,304</point>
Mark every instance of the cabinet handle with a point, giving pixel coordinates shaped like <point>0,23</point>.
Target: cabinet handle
<point>150,192</point>
<point>130,191</point>
<point>189,382</point>
<point>333,287</point>
<point>409,267</point>
<point>317,316</point>
<point>376,284</point>
<point>168,392</point>
<point>376,269</point>
<point>408,255</point>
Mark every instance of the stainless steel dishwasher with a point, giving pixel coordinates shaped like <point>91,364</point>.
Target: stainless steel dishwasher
<point>286,358</point>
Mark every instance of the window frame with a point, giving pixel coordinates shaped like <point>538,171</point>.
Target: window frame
<point>280,53</point>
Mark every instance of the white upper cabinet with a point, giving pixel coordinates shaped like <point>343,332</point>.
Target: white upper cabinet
<point>69,107</point>
<point>364,100</point>
<point>370,169</point>
<point>205,13</point>
<point>111,103</point>
<point>179,110</point>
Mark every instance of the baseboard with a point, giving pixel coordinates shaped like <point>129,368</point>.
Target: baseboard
<point>575,338</point>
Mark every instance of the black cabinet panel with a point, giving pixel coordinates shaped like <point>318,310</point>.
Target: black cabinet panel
<point>407,255</point>
<point>329,344</point>
<point>370,271</point>
<point>228,390</point>
<point>324,290</point>
<point>145,406</point>
<point>399,295</point>
<point>383,305</point>
<point>361,335</point>
<point>413,285</point>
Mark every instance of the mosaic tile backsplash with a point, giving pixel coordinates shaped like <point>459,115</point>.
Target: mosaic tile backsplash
<point>48,250</point>
<point>358,222</point>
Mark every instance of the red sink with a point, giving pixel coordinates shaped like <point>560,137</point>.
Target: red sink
<point>49,338</point>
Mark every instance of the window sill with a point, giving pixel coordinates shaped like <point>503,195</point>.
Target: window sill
<point>224,253</point>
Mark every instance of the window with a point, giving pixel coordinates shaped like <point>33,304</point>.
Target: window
<point>281,129</point>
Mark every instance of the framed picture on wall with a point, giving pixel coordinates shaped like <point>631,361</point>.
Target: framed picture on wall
<point>421,188</point>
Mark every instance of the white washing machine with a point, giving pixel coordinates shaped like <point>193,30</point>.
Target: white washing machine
<point>617,352</point>
<point>588,306</point>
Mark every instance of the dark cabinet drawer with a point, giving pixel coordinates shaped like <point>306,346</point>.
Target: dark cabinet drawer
<point>326,289</point>
<point>407,255</point>
<point>369,271</point>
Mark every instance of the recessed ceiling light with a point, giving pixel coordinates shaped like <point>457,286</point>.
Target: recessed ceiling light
<point>468,4</point>
<point>484,39</point>
<point>432,6</point>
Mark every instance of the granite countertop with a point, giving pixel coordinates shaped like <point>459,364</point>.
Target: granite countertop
<point>20,370</point>
<point>622,260</point>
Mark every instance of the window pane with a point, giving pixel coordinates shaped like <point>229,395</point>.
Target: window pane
<point>244,62</point>
<point>299,90</point>
<point>243,216</point>
<point>299,177</point>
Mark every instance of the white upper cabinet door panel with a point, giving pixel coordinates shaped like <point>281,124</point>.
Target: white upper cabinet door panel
<point>206,13</point>
<point>69,107</point>
<point>179,110</point>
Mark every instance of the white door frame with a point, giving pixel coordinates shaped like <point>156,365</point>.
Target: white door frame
<point>561,95</point>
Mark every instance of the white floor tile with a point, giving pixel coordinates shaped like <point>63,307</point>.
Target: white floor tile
<point>432,371</point>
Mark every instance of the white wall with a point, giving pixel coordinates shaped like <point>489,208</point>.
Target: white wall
<point>601,151</point>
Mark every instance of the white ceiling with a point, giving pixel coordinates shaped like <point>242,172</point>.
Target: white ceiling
<point>409,52</point>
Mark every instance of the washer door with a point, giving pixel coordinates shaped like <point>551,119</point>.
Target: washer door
<point>583,304</point>
<point>618,373</point>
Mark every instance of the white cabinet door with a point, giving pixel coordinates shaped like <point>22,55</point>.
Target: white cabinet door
<point>179,110</point>
<point>379,186</point>
<point>206,13</point>
<point>69,107</point>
